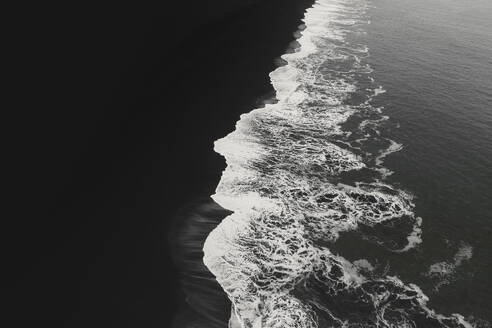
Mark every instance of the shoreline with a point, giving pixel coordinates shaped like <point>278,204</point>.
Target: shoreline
<point>126,143</point>
<point>249,68</point>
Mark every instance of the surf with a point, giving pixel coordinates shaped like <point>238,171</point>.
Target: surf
<point>287,183</point>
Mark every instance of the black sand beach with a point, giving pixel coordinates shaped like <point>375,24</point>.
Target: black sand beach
<point>120,146</point>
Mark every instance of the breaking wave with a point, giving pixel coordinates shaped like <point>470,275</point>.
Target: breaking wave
<point>304,170</point>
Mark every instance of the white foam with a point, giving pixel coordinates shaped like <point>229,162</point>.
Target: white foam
<point>392,148</point>
<point>281,182</point>
<point>364,265</point>
<point>445,271</point>
<point>379,90</point>
<point>415,238</point>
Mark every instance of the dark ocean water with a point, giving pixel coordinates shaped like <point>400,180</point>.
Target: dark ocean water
<point>360,197</point>
<point>434,58</point>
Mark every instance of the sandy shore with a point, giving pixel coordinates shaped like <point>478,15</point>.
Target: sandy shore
<point>134,149</point>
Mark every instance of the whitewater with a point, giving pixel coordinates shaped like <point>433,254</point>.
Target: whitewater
<point>303,171</point>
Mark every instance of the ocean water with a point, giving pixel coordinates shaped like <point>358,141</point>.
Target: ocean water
<point>361,196</point>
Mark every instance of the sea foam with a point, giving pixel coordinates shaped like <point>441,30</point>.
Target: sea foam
<point>283,183</point>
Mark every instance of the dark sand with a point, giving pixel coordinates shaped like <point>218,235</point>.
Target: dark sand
<point>119,146</point>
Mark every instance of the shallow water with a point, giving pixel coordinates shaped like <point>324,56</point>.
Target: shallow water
<point>363,191</point>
